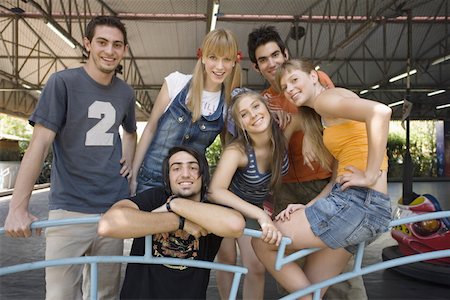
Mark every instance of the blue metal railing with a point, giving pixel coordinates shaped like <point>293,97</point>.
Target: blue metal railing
<point>281,260</point>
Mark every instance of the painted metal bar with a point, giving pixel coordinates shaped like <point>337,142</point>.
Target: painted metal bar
<point>235,285</point>
<point>369,269</point>
<point>149,259</point>
<point>94,281</point>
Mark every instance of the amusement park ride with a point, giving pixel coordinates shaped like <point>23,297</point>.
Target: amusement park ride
<point>421,237</point>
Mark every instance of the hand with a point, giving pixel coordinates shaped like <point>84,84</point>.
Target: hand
<point>355,177</point>
<point>126,170</point>
<point>194,229</point>
<point>17,224</point>
<point>270,233</point>
<point>133,186</point>
<point>309,155</point>
<point>281,117</point>
<point>285,215</point>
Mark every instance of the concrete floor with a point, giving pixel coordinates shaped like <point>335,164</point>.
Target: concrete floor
<point>380,285</point>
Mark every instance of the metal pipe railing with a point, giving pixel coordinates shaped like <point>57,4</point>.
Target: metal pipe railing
<point>281,260</point>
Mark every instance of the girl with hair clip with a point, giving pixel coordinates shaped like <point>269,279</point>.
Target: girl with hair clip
<point>189,109</point>
<point>251,166</point>
<point>354,207</point>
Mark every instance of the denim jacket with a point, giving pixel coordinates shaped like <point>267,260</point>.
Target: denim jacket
<point>175,127</point>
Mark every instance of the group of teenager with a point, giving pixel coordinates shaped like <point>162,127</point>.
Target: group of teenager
<point>313,153</point>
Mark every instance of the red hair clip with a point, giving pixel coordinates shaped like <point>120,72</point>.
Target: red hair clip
<point>199,53</point>
<point>239,56</point>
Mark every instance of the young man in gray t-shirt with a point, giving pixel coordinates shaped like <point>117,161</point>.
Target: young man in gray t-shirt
<point>79,114</point>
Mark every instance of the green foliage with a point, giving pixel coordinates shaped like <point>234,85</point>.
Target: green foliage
<point>15,126</point>
<point>395,150</point>
<point>422,149</point>
<point>21,128</point>
<point>213,152</point>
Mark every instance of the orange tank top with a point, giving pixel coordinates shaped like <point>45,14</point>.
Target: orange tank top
<point>347,142</point>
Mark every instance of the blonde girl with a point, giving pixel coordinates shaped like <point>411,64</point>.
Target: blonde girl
<point>250,167</point>
<point>354,207</point>
<point>189,109</point>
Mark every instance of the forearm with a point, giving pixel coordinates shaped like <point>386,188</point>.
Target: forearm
<point>226,197</point>
<point>216,219</point>
<point>30,168</point>
<point>141,150</point>
<point>127,222</point>
<point>129,146</point>
<point>28,173</point>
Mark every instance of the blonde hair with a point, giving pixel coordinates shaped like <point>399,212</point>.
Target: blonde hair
<point>277,138</point>
<point>219,42</point>
<point>311,120</point>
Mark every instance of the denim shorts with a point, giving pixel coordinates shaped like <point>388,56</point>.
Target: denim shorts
<point>344,219</point>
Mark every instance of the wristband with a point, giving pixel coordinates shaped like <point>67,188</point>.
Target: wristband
<point>181,224</point>
<point>168,203</point>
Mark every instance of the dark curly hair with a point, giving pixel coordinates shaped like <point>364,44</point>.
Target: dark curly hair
<point>202,162</point>
<point>261,36</point>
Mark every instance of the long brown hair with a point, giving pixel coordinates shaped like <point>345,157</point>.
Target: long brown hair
<point>311,120</point>
<point>219,42</point>
<point>277,138</point>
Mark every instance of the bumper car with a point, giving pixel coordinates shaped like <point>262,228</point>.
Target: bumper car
<point>421,237</point>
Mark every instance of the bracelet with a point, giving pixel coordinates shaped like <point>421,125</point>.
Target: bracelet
<point>181,224</point>
<point>168,203</point>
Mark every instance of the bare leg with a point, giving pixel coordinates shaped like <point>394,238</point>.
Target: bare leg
<point>254,280</point>
<point>291,276</point>
<point>227,255</point>
<point>325,264</point>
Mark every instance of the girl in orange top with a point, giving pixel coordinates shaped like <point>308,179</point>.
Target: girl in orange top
<point>354,206</point>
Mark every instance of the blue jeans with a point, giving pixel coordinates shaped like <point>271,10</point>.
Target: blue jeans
<point>344,219</point>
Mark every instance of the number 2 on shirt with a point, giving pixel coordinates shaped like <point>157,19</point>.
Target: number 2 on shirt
<point>99,135</point>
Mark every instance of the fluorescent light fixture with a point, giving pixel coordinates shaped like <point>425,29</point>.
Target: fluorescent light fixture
<point>215,10</point>
<point>138,104</point>
<point>317,68</point>
<point>61,35</point>
<point>39,92</point>
<point>26,86</point>
<point>442,106</point>
<point>375,87</point>
<point>435,93</point>
<point>398,77</point>
<point>363,92</point>
<point>396,103</point>
<point>440,60</point>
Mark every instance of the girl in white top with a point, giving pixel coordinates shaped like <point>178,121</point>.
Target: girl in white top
<point>189,109</point>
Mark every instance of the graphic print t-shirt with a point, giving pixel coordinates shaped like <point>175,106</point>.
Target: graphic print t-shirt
<point>147,281</point>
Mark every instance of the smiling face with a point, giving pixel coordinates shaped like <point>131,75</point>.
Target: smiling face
<point>217,69</point>
<point>184,176</point>
<point>252,113</point>
<point>219,54</point>
<point>106,49</point>
<point>268,58</point>
<point>298,86</point>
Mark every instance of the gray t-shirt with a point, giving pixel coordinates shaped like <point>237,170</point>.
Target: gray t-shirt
<point>87,149</point>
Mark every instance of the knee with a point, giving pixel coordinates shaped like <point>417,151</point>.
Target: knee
<point>256,268</point>
<point>225,257</point>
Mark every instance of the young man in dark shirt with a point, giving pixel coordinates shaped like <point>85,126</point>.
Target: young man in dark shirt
<point>183,225</point>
